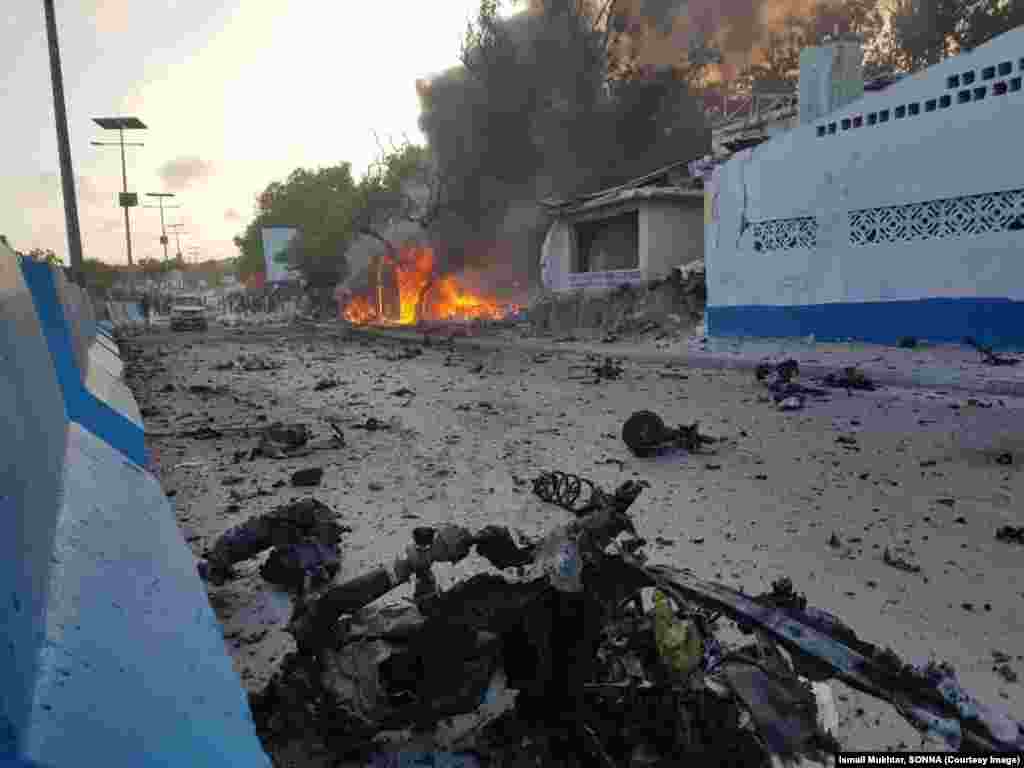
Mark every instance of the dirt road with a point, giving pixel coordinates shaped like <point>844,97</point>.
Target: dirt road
<point>916,473</point>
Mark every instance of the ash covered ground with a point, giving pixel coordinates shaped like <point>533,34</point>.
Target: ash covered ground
<point>816,495</point>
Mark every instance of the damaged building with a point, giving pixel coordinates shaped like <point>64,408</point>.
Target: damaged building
<point>885,213</point>
<point>610,255</point>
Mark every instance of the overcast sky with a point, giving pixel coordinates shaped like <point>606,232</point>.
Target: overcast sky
<point>236,94</point>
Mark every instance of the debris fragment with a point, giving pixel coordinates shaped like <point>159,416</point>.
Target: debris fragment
<point>1006,672</point>
<point>307,477</point>
<point>989,356</point>
<point>280,441</point>
<point>403,392</point>
<point>372,424</point>
<point>833,541</point>
<point>325,384</point>
<point>304,534</point>
<point>850,378</point>
<point>1011,534</point>
<point>608,370</point>
<point>646,435</point>
<point>899,563</point>
<point>258,363</point>
<point>1005,459</point>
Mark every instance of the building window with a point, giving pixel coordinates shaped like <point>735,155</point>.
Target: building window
<point>785,234</point>
<point>872,118</point>
<point>953,81</point>
<point>967,78</point>
<point>1015,84</point>
<point>929,106</point>
<point>945,101</point>
<point>963,97</point>
<point>914,109</point>
<point>858,121</point>
<point>846,123</point>
<point>988,73</point>
<point>999,89</point>
<point>901,112</point>
<point>979,93</point>
<point>608,244</point>
<point>821,130</point>
<point>1005,68</point>
<point>831,127</point>
<point>883,116</point>
<point>1020,65</point>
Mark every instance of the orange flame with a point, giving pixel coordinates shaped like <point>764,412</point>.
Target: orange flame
<point>423,296</point>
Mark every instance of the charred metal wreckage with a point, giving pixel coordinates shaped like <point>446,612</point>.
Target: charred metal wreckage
<point>605,659</point>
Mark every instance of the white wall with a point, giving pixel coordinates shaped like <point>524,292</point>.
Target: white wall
<point>965,150</point>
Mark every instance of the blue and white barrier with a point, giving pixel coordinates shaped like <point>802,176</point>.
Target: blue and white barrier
<point>111,653</point>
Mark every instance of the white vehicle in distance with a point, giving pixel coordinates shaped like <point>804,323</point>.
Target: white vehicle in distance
<point>188,313</point>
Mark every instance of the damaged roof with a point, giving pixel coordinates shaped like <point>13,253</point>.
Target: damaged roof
<point>673,182</point>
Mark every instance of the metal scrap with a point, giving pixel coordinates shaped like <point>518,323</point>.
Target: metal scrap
<point>303,536</point>
<point>646,435</point>
<point>989,356</point>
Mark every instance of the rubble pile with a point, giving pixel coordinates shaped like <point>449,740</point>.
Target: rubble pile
<point>303,537</point>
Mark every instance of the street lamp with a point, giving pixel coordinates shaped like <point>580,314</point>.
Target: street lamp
<point>177,236</point>
<point>127,200</point>
<point>67,176</point>
<point>163,229</point>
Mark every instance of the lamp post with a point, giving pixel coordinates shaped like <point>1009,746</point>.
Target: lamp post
<point>67,176</point>
<point>161,196</point>
<point>177,236</point>
<point>127,200</point>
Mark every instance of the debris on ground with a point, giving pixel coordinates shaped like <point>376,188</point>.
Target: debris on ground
<point>228,365</point>
<point>306,478</point>
<point>403,392</point>
<point>372,424</point>
<point>1005,459</point>
<point>587,655</point>
<point>989,356</point>
<point>324,384</point>
<point>607,370</point>
<point>647,435</point>
<point>781,379</point>
<point>898,562</point>
<point>279,441</point>
<point>258,363</point>
<point>304,538</point>
<point>404,353</point>
<point>1011,534</point>
<point>850,377</point>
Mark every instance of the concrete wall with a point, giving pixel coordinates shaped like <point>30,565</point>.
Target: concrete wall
<point>111,653</point>
<point>907,225</point>
<point>670,234</point>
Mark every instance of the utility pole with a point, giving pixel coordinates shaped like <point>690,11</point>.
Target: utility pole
<point>161,196</point>
<point>127,199</point>
<point>67,176</point>
<point>177,236</point>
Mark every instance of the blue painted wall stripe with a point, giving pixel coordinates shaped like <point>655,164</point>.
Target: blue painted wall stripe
<point>996,322</point>
<point>80,405</point>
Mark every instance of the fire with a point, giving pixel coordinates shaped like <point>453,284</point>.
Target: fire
<point>424,296</point>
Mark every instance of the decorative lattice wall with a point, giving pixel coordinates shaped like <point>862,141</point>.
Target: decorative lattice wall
<point>785,234</point>
<point>953,217</point>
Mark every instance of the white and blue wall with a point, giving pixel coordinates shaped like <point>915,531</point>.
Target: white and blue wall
<point>900,214</point>
<point>109,651</point>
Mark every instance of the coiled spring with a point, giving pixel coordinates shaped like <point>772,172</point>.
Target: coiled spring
<point>565,490</point>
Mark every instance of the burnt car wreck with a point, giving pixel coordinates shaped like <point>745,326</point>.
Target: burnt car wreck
<point>577,652</point>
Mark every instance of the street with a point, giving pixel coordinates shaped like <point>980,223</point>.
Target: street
<point>915,473</point>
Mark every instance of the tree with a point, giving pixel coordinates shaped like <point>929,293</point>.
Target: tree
<point>927,31</point>
<point>322,205</point>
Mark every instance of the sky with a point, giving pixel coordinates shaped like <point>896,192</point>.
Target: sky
<point>235,94</point>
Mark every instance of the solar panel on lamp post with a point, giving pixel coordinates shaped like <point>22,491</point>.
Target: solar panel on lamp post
<point>127,200</point>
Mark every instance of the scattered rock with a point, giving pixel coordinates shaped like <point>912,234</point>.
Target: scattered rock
<point>325,384</point>
<point>662,541</point>
<point>834,542</point>
<point>793,403</point>
<point>850,378</point>
<point>307,477</point>
<point>1011,533</point>
<point>1006,459</point>
<point>946,502</point>
<point>1006,672</point>
<point>967,606</point>
<point>375,486</point>
<point>232,480</point>
<point>899,563</point>
<point>929,463</point>
<point>403,392</point>
<point>960,520</point>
